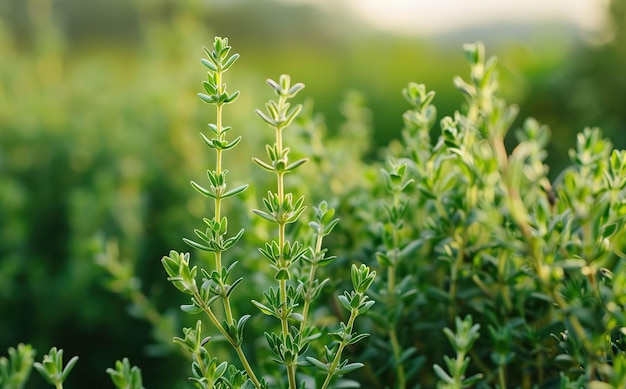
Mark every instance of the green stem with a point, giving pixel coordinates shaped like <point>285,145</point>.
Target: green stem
<point>238,349</point>
<point>218,200</point>
<point>391,281</point>
<point>393,336</point>
<point>284,317</point>
<point>283,283</point>
<point>291,374</point>
<point>283,303</point>
<point>226,302</point>
<point>200,361</point>
<point>307,297</point>
<point>391,288</point>
<point>502,261</point>
<point>454,275</point>
<point>218,164</point>
<point>333,366</point>
<point>395,345</point>
<point>247,367</point>
<point>307,303</point>
<point>279,139</point>
<point>459,372</point>
<point>218,119</point>
<point>502,377</point>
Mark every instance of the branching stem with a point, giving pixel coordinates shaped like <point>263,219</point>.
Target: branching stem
<point>312,270</point>
<point>242,357</point>
<point>335,363</point>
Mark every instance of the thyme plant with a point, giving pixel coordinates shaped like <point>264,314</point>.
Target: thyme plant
<point>489,235</point>
<point>286,255</point>
<point>125,376</point>
<point>282,302</point>
<point>389,259</point>
<point>53,369</point>
<point>15,370</point>
<point>522,269</point>
<point>461,340</point>
<point>215,240</point>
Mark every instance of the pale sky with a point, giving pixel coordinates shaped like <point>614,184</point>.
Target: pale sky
<point>433,16</point>
<point>436,16</point>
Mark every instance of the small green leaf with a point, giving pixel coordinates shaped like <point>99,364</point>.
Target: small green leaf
<point>232,144</point>
<point>263,308</point>
<point>292,115</point>
<point>191,309</point>
<point>209,65</point>
<point>235,191</point>
<point>349,368</point>
<point>317,363</point>
<point>269,121</point>
<point>202,190</point>
<point>364,307</point>
<point>264,215</point>
<point>357,338</point>
<point>263,165</point>
<point>609,230</point>
<point>206,98</point>
<point>470,381</point>
<point>233,286</point>
<point>282,274</point>
<point>68,368</point>
<point>442,374</point>
<point>231,98</point>
<point>209,87</point>
<point>296,316</point>
<point>229,62</point>
<point>273,84</point>
<point>198,245</point>
<point>295,89</point>
<point>345,302</point>
<point>295,165</point>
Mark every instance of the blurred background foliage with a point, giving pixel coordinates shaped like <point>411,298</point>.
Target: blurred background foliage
<point>99,125</point>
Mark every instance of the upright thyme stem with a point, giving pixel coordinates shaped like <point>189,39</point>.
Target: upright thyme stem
<point>307,297</point>
<point>215,239</point>
<point>282,210</point>
<point>454,278</point>
<point>284,317</point>
<point>396,184</point>
<point>335,363</point>
<point>280,183</point>
<point>357,302</point>
<point>391,288</point>
<point>393,335</point>
<point>397,350</point>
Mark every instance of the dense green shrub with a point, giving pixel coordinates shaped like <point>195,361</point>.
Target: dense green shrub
<point>473,229</point>
<point>490,274</point>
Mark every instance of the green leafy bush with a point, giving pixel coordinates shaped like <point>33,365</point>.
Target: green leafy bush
<point>489,273</point>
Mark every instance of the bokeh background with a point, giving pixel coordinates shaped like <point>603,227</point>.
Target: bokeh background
<point>99,121</point>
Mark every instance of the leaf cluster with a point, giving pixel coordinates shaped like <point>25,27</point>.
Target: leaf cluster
<point>469,227</point>
<point>462,233</point>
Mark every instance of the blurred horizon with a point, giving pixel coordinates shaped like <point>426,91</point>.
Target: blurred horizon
<point>427,18</point>
<point>294,36</point>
